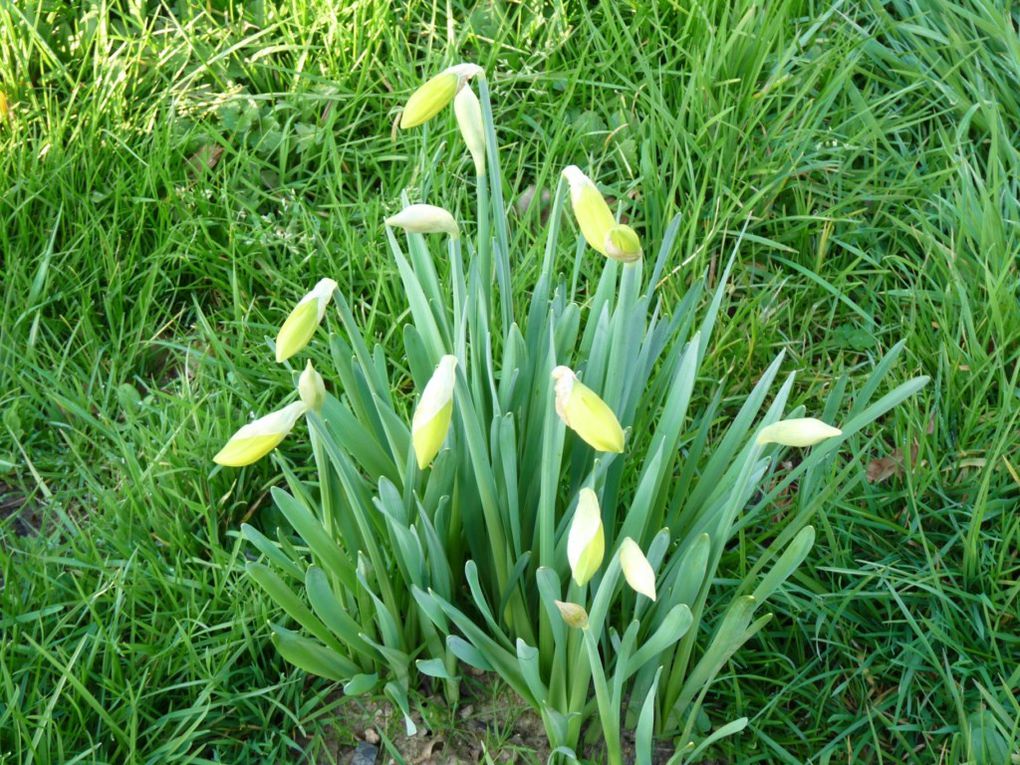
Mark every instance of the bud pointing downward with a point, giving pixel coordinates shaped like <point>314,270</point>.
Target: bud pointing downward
<point>256,439</point>
<point>585,413</point>
<point>622,244</point>
<point>574,615</point>
<point>593,215</point>
<point>432,97</point>
<point>425,219</point>
<point>469,119</point>
<point>636,568</point>
<point>299,327</point>
<point>586,542</point>
<point>311,388</point>
<point>800,431</point>
<point>431,419</point>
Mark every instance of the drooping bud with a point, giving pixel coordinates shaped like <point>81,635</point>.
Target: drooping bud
<point>573,615</point>
<point>432,97</point>
<point>636,568</point>
<point>425,219</point>
<point>593,215</point>
<point>469,120</point>
<point>800,431</point>
<point>622,244</point>
<point>256,439</point>
<point>585,413</point>
<point>311,388</point>
<point>302,322</point>
<point>586,541</point>
<point>432,418</point>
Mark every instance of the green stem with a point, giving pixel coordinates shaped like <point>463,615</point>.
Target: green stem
<point>610,717</point>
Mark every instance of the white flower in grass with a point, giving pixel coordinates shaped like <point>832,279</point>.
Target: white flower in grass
<point>800,431</point>
<point>425,219</point>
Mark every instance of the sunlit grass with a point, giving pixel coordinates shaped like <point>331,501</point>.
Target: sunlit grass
<point>172,182</point>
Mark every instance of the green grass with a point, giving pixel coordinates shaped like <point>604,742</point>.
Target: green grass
<point>872,150</point>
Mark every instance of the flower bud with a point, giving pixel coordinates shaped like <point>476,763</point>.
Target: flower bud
<point>573,615</point>
<point>800,431</point>
<point>432,97</point>
<point>256,439</point>
<point>593,215</point>
<point>585,413</point>
<point>311,388</point>
<point>299,327</point>
<point>586,541</point>
<point>636,568</point>
<point>425,219</point>
<point>469,120</point>
<point>622,244</point>
<point>431,419</point>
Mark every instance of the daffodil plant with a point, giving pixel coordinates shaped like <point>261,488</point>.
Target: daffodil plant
<point>551,507</point>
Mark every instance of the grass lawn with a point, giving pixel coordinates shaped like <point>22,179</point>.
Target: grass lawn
<point>173,176</point>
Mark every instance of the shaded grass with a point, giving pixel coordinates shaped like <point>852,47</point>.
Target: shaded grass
<point>871,150</point>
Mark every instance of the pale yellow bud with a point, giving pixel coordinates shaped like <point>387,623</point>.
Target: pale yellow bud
<point>636,568</point>
<point>623,244</point>
<point>585,413</point>
<point>431,420</point>
<point>573,615</point>
<point>800,431</point>
<point>586,541</point>
<point>432,97</point>
<point>425,219</point>
<point>300,325</point>
<point>256,439</point>
<point>469,120</point>
<point>311,388</point>
<point>593,215</point>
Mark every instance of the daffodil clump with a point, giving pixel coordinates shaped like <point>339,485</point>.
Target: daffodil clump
<point>552,507</point>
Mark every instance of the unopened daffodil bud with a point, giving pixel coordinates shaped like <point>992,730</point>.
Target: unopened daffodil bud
<point>425,219</point>
<point>432,97</point>
<point>800,431</point>
<point>256,439</point>
<point>586,541</point>
<point>469,120</point>
<point>311,388</point>
<point>299,327</point>
<point>431,419</point>
<point>636,568</point>
<point>622,244</point>
<point>573,615</point>
<point>593,215</point>
<point>585,413</point>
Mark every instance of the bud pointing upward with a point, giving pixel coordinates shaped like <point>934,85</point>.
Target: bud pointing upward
<point>469,120</point>
<point>302,322</point>
<point>636,568</point>
<point>586,542</point>
<point>431,419</point>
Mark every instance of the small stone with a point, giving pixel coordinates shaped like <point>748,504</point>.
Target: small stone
<point>365,754</point>
<point>370,736</point>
